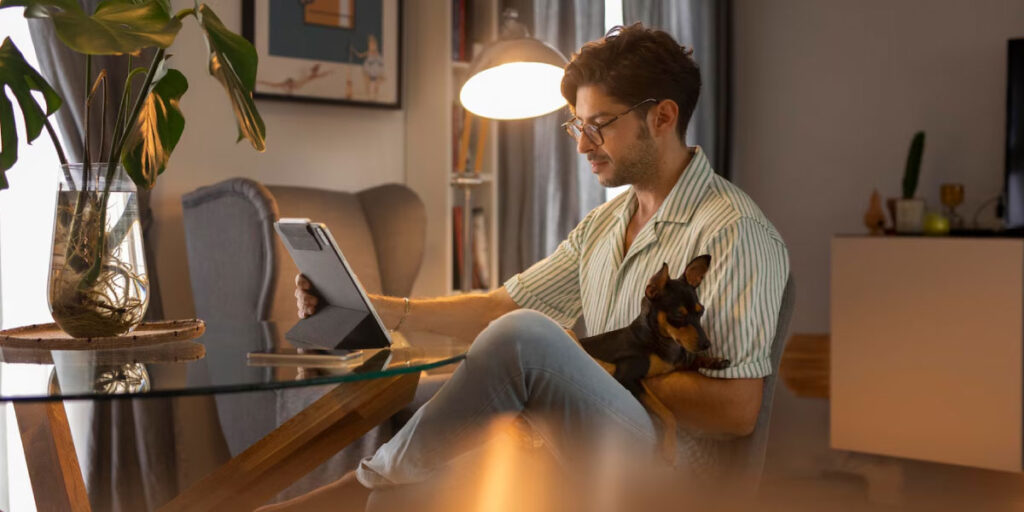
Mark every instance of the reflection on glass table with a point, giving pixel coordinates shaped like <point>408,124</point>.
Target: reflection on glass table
<point>369,386</point>
<point>228,357</point>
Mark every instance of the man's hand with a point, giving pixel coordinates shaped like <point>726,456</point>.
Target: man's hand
<point>305,299</point>
<point>717,407</point>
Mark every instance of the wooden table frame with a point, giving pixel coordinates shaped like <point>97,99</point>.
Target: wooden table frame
<point>246,481</point>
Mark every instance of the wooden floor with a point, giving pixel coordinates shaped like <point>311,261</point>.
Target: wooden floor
<point>802,473</point>
<point>925,487</point>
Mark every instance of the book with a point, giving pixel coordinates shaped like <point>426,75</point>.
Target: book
<point>457,247</point>
<point>461,30</point>
<point>481,250</point>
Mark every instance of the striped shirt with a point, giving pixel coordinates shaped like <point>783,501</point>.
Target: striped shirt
<point>588,273</point>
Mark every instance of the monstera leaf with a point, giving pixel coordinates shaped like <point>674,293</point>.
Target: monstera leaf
<point>117,26</point>
<point>156,131</point>
<point>233,62</point>
<point>18,76</point>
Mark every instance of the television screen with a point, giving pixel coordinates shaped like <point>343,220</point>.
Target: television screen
<point>1015,134</point>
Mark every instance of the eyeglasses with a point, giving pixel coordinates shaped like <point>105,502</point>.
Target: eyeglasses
<point>576,126</point>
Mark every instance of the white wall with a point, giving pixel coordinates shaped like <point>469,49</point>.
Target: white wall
<point>327,146</point>
<point>828,95</point>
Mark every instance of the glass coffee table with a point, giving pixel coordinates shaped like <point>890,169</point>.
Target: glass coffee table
<point>368,387</point>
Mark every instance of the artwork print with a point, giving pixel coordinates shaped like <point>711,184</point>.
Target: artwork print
<point>339,51</point>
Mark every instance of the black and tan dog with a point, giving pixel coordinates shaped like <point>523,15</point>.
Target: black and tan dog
<point>665,337</point>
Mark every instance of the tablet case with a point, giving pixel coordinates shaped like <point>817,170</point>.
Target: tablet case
<point>343,320</point>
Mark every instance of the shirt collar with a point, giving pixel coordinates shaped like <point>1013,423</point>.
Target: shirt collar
<point>682,200</point>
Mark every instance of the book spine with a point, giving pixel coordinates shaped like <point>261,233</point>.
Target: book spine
<point>481,251</point>
<point>463,29</point>
<point>457,247</point>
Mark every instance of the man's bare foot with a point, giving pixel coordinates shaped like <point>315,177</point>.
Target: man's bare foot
<point>343,495</point>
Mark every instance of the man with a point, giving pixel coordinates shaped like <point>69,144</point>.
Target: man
<point>632,94</point>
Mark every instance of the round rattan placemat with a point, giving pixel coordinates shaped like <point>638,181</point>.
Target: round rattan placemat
<point>172,352</point>
<point>50,337</point>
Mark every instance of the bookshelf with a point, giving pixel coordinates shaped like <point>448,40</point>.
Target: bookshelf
<point>432,82</point>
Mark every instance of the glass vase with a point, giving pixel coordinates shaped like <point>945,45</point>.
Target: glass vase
<point>98,284</point>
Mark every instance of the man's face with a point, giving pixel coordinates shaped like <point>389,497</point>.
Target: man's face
<point>629,154</point>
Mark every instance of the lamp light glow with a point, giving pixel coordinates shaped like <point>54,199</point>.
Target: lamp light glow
<point>516,90</point>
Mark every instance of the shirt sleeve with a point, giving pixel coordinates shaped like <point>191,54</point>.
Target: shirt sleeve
<point>552,285</point>
<point>742,294</point>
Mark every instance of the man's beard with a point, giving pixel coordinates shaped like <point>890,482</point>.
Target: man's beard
<point>639,164</point>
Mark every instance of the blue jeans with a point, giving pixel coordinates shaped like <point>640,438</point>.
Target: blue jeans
<point>522,363</point>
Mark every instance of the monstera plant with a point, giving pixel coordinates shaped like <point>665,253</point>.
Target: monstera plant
<point>98,284</point>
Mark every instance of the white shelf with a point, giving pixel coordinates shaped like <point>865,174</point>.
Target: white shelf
<point>429,100</point>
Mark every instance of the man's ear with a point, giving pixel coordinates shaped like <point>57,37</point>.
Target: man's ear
<point>666,115</point>
<point>657,283</point>
<point>696,269</point>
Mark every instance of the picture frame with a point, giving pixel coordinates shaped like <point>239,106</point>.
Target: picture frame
<point>344,52</point>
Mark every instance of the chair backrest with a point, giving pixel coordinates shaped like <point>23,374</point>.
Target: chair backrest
<point>744,457</point>
<point>240,270</point>
<point>230,244</point>
<point>381,231</point>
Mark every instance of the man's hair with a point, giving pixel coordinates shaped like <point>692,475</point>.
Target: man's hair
<point>634,63</point>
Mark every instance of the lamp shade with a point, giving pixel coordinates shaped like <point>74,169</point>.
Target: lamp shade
<point>514,79</point>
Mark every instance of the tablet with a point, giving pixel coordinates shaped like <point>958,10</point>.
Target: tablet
<point>317,357</point>
<point>345,318</point>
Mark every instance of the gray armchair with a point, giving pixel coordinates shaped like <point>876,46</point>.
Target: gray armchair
<point>743,458</point>
<point>241,272</point>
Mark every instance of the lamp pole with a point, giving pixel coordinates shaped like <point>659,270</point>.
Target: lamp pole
<point>467,181</point>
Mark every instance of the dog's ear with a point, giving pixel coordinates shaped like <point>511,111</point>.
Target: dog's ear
<point>657,283</point>
<point>696,269</point>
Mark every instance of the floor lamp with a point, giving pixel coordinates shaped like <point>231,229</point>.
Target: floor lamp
<point>515,77</point>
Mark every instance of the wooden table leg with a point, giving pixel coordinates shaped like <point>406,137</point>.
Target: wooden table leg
<point>50,455</point>
<point>298,446</point>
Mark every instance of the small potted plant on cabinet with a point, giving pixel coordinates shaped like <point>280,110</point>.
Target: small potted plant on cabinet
<point>909,212</point>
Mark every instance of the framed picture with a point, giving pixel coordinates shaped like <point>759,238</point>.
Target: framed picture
<point>334,51</point>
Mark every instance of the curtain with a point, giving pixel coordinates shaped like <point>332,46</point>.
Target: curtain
<point>546,187</point>
<point>704,26</point>
<point>128,460</point>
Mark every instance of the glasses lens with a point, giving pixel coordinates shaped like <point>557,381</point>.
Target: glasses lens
<point>573,130</point>
<point>594,134</point>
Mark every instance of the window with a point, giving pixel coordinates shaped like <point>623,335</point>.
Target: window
<point>26,224</point>
<point>612,17</point>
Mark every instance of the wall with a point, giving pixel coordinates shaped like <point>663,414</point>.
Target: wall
<point>828,95</point>
<point>327,146</point>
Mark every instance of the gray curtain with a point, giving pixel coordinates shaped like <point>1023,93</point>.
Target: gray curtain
<point>703,25</point>
<point>129,461</point>
<point>546,187</point>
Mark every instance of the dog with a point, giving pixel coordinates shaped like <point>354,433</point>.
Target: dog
<point>667,336</point>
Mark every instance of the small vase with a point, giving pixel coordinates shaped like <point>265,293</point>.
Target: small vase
<point>98,283</point>
<point>111,379</point>
<point>909,215</point>
<point>874,218</point>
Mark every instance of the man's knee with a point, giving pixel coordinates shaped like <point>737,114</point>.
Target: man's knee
<point>520,332</point>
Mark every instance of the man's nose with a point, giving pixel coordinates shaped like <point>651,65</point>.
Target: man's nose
<point>584,145</point>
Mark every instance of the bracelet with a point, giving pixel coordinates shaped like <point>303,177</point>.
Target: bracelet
<point>405,313</point>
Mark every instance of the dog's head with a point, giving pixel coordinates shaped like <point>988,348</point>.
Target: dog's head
<point>675,307</point>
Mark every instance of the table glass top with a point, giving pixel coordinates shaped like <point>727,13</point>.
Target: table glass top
<point>228,357</point>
